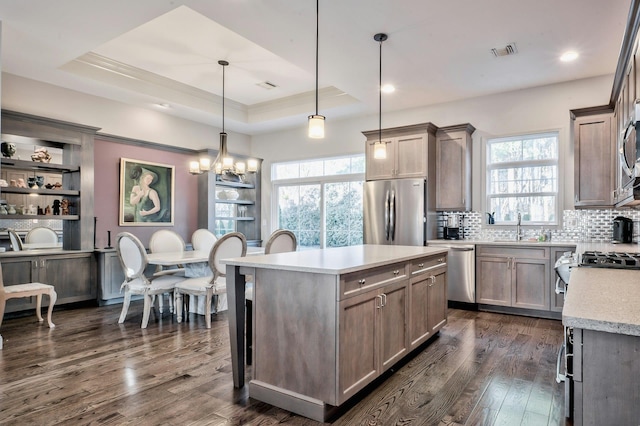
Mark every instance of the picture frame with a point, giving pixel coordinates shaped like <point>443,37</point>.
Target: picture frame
<point>146,193</point>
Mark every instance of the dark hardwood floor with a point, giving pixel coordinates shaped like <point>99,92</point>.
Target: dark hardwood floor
<point>483,369</point>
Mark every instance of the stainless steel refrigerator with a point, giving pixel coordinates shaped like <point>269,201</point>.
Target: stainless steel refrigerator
<point>398,212</point>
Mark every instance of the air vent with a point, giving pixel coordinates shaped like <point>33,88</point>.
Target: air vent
<point>267,85</point>
<point>509,49</point>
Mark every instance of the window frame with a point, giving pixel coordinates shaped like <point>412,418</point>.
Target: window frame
<point>312,180</point>
<point>487,169</point>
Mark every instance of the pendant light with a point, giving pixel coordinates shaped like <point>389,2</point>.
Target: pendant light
<point>316,122</point>
<point>223,164</point>
<point>380,148</point>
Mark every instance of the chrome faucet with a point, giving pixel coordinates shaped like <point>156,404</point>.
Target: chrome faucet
<point>518,228</point>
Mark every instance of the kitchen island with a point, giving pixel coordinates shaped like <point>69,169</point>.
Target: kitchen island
<point>328,322</point>
<point>603,307</point>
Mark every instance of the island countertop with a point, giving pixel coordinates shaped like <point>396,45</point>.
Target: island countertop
<point>603,299</point>
<point>338,260</point>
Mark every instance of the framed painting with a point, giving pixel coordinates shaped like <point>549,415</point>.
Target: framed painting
<point>146,193</point>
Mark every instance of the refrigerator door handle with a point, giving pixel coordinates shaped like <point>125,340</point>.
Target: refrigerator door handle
<point>392,215</point>
<point>386,216</point>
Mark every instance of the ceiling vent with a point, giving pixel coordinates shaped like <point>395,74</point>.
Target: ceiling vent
<point>509,49</point>
<point>267,85</point>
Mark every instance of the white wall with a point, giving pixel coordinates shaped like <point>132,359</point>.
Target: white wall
<point>114,118</point>
<point>523,111</point>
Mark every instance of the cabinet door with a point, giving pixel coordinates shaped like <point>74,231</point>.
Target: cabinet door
<point>393,324</point>
<point>419,330</point>
<point>111,276</point>
<point>530,284</point>
<point>20,270</point>
<point>72,276</point>
<point>411,156</point>
<point>453,177</point>
<point>493,280</point>
<point>594,161</point>
<point>357,343</point>
<point>380,168</point>
<point>437,311</point>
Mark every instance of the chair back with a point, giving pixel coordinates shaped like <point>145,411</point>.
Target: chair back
<point>16,242</point>
<point>165,240</point>
<point>132,255</point>
<point>41,234</point>
<point>233,244</point>
<point>203,239</point>
<point>281,241</point>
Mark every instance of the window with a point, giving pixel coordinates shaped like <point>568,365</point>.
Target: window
<point>522,177</point>
<point>320,200</point>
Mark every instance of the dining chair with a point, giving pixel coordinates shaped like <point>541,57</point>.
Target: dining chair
<point>203,239</point>
<point>27,290</point>
<point>280,241</point>
<point>233,244</point>
<point>41,234</point>
<point>165,241</point>
<point>133,258</point>
<point>16,241</point>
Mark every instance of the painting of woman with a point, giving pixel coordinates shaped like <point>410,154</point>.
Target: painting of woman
<point>146,193</point>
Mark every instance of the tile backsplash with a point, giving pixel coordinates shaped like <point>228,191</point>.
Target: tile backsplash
<point>578,226</point>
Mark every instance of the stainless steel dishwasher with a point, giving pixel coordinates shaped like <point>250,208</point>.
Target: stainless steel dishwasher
<point>461,271</point>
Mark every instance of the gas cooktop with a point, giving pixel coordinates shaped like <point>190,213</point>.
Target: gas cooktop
<point>599,259</point>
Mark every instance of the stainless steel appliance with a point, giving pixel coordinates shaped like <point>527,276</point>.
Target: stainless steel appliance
<point>452,230</point>
<point>629,161</point>
<point>398,212</point>
<point>622,230</point>
<point>461,271</point>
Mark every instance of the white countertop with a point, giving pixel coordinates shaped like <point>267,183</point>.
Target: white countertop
<point>603,299</point>
<point>338,260</point>
<point>551,243</point>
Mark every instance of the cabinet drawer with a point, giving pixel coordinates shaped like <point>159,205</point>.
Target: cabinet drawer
<point>529,252</point>
<point>428,264</point>
<point>353,283</point>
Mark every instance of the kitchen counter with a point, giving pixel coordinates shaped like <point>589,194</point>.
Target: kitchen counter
<point>552,243</point>
<point>603,299</point>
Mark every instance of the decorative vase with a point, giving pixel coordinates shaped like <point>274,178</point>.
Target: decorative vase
<point>12,209</point>
<point>40,181</point>
<point>3,209</point>
<point>31,182</point>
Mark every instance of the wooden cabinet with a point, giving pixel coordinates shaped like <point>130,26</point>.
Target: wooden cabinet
<point>594,157</point>
<point>453,167</point>
<point>72,274</point>
<point>428,301</point>
<point>75,172</point>
<point>513,276</point>
<point>410,149</point>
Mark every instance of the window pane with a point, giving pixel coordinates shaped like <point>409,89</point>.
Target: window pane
<point>299,211</point>
<point>501,152</point>
<point>523,180</point>
<point>343,214</point>
<point>532,209</point>
<point>357,164</point>
<point>312,168</point>
<point>339,166</point>
<point>286,171</point>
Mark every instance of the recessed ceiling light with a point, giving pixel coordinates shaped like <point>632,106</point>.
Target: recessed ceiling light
<point>569,56</point>
<point>388,88</point>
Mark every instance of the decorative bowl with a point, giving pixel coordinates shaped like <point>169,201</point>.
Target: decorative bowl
<point>231,194</point>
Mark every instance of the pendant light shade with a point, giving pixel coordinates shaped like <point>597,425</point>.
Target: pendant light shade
<point>380,148</point>
<point>316,121</point>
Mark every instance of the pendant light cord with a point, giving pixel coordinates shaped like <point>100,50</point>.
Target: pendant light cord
<point>380,97</point>
<point>317,44</point>
<point>223,67</point>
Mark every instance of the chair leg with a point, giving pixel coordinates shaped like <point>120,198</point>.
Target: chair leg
<point>249,332</point>
<point>207,310</point>
<point>125,306</point>
<point>39,307</point>
<point>53,296</point>
<point>148,302</point>
<point>178,305</point>
<point>171,304</point>
<point>161,302</point>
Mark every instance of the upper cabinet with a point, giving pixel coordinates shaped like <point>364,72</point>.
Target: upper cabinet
<point>453,167</point>
<point>74,173</point>
<point>408,150</point>
<point>594,157</point>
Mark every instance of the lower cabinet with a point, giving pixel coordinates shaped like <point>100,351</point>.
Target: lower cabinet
<point>72,274</point>
<point>513,276</point>
<point>428,304</point>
